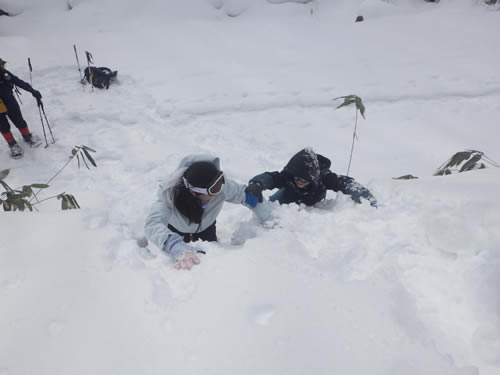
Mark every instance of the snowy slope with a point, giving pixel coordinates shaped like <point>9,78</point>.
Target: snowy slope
<point>411,287</point>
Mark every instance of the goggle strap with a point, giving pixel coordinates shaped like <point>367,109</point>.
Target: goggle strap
<point>214,184</point>
<point>194,188</point>
<point>206,191</point>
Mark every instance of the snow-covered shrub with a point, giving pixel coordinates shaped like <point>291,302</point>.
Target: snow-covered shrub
<point>16,199</point>
<point>464,161</point>
<point>13,199</point>
<point>234,8</point>
<point>360,107</point>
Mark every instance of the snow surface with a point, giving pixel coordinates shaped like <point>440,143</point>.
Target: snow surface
<point>409,288</point>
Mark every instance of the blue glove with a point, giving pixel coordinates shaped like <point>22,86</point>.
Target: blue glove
<point>251,199</point>
<point>253,194</point>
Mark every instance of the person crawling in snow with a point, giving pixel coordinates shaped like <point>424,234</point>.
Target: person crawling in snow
<point>10,108</point>
<point>188,204</point>
<point>305,179</point>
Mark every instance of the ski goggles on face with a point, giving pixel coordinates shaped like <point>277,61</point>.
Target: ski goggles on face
<point>301,180</point>
<point>213,189</point>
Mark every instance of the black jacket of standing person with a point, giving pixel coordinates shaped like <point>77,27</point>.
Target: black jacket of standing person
<point>306,179</point>
<point>7,83</point>
<point>10,110</point>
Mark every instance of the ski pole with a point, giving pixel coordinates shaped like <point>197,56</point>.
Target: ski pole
<point>82,81</point>
<point>18,94</point>
<point>90,60</point>
<point>39,111</point>
<point>43,127</point>
<point>47,121</point>
<point>31,70</point>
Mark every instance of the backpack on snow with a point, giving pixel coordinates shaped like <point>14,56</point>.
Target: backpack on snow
<point>100,77</point>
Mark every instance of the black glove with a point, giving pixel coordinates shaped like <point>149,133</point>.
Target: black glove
<point>358,191</point>
<point>255,189</point>
<point>36,94</point>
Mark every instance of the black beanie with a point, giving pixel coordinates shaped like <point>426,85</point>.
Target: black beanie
<point>201,174</point>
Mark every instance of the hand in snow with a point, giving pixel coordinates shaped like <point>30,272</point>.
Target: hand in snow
<point>357,191</point>
<point>187,261</point>
<point>373,202</point>
<point>369,197</point>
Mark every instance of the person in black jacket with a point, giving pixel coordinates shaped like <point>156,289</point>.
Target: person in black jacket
<point>10,108</point>
<point>305,179</point>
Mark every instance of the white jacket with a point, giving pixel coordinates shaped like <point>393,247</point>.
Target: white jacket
<point>163,211</point>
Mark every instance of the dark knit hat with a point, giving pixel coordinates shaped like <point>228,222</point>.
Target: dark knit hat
<point>201,174</point>
<point>305,165</point>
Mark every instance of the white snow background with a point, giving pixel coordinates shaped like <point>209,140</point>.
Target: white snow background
<point>409,288</point>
